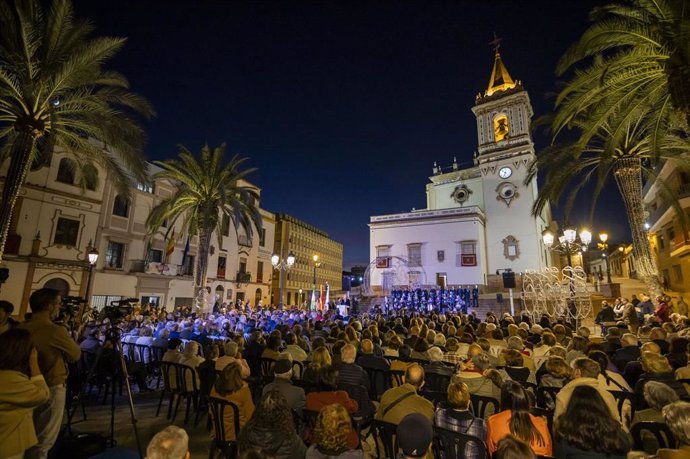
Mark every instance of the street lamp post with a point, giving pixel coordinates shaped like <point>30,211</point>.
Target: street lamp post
<point>282,266</point>
<point>604,247</point>
<point>316,265</point>
<point>93,258</point>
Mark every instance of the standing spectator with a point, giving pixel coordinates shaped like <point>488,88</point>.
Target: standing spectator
<point>22,388</point>
<point>230,386</point>
<point>6,320</point>
<point>457,417</point>
<point>272,429</point>
<point>170,443</point>
<point>55,347</point>
<point>662,310</point>
<point>682,307</point>
<point>587,430</point>
<point>331,432</point>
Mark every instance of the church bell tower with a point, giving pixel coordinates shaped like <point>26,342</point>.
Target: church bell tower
<point>504,153</point>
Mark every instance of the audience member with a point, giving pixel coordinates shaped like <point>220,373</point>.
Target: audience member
<point>586,429</point>
<point>403,400</point>
<point>55,347</point>
<point>170,443</point>
<point>282,382</point>
<point>513,448</point>
<point>677,417</point>
<point>320,359</point>
<point>656,368</point>
<point>657,395</point>
<point>6,320</point>
<point>516,419</point>
<point>332,430</point>
<point>414,435</point>
<point>272,429</point>
<point>456,416</point>
<point>230,387</point>
<point>22,388</point>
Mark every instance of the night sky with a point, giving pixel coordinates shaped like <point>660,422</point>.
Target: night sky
<point>342,106</point>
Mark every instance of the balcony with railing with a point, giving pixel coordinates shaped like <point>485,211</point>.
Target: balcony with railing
<point>243,277</point>
<point>680,245</point>
<point>683,191</point>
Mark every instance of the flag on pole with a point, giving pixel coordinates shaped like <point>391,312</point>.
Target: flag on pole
<point>312,305</point>
<point>321,297</point>
<point>170,248</point>
<point>328,292</point>
<point>186,252</point>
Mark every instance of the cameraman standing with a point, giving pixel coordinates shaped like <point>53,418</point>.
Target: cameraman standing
<point>55,346</point>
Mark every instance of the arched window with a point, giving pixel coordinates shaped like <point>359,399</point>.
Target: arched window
<point>90,177</point>
<point>65,172</point>
<point>121,206</point>
<point>58,284</point>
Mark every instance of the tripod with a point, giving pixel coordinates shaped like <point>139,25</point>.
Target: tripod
<point>112,335</point>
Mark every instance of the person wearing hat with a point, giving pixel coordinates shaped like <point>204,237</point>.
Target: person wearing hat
<point>415,435</point>
<point>282,382</point>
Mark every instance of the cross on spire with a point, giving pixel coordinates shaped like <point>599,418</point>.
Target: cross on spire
<point>496,42</point>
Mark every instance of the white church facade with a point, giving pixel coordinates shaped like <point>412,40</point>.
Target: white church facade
<point>478,219</point>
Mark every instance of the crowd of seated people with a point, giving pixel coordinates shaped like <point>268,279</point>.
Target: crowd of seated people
<point>509,382</point>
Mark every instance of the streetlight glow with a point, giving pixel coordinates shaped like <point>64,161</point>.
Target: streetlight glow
<point>93,256</point>
<point>570,235</point>
<point>586,236</point>
<point>315,258</point>
<point>290,259</point>
<point>603,237</point>
<point>548,238</point>
<point>275,259</point>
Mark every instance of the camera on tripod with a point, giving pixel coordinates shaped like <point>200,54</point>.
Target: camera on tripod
<point>71,305</point>
<point>118,309</point>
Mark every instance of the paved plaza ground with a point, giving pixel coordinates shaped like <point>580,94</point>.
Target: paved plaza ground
<point>98,421</point>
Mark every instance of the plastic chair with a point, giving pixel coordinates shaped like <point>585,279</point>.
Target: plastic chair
<point>481,402</point>
<point>379,382</point>
<point>436,382</point>
<point>384,437</point>
<point>663,434</point>
<point>217,409</point>
<point>621,397</point>
<point>396,377</point>
<point>452,445</point>
<point>434,396</point>
<point>267,368</point>
<point>189,390</point>
<point>297,369</point>
<point>169,373</point>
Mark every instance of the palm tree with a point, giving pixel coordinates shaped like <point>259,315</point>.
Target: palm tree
<point>207,190</point>
<point>55,91</point>
<point>623,149</point>
<point>635,54</point>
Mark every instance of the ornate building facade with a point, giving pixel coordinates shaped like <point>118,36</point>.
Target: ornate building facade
<point>305,241</point>
<point>478,218</point>
<point>57,221</point>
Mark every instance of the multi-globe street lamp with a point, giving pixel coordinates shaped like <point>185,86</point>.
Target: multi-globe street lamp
<point>604,247</point>
<point>92,256</point>
<point>282,266</point>
<point>568,242</point>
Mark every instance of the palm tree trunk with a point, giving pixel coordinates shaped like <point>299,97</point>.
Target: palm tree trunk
<point>20,163</point>
<point>202,259</point>
<point>628,175</point>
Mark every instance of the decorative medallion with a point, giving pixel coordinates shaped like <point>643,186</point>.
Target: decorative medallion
<point>461,194</point>
<point>511,248</point>
<point>507,192</point>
